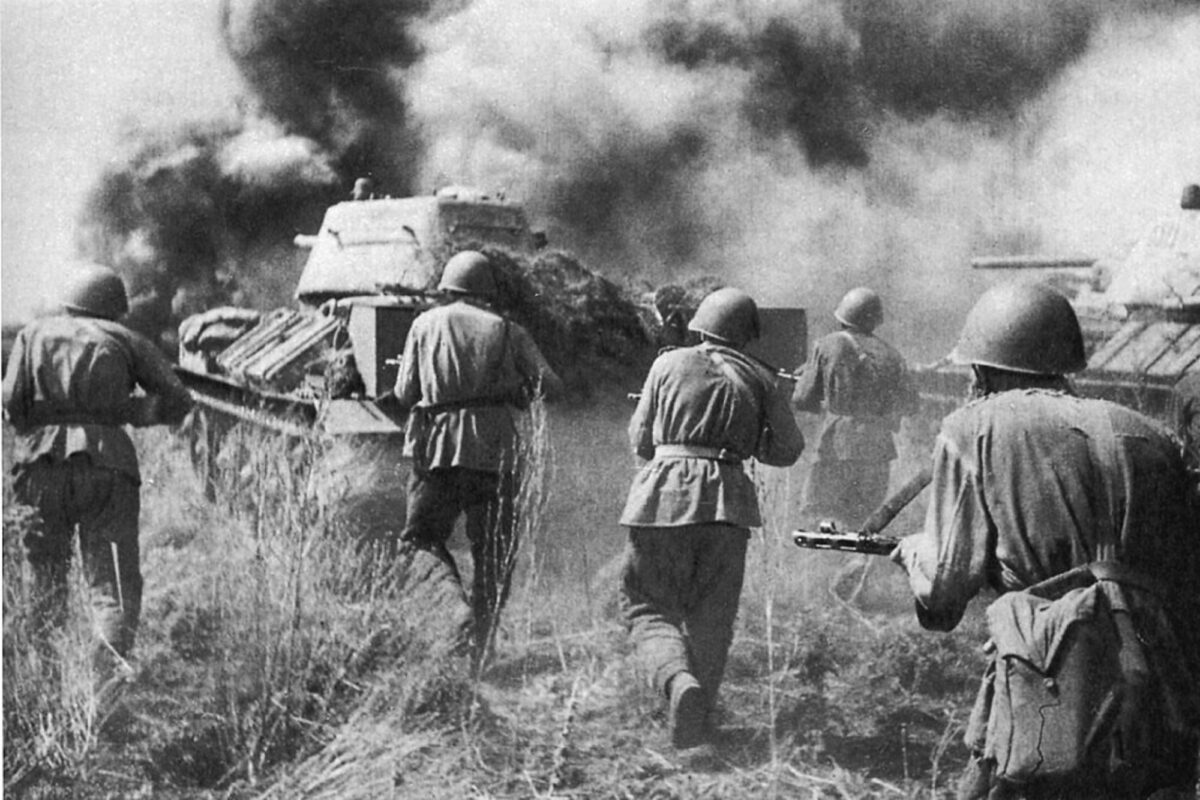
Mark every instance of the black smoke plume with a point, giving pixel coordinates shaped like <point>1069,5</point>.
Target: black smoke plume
<point>331,72</point>
<point>794,147</point>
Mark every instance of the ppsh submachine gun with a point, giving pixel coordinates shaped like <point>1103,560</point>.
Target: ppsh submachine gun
<point>868,538</point>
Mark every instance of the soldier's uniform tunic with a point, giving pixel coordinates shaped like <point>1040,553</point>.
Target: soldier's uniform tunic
<point>464,372</point>
<point>1026,486</point>
<point>67,392</point>
<point>862,384</point>
<point>703,411</point>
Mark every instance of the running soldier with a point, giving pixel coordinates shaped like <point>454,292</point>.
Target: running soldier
<point>863,386</point>
<point>465,371</point>
<point>1029,483</point>
<point>703,412</point>
<point>68,392</point>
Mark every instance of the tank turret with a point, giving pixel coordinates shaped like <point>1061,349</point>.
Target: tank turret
<point>1140,315</point>
<point>396,245</point>
<point>318,367</point>
<point>372,267</point>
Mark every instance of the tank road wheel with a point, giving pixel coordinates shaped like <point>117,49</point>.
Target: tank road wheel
<point>205,431</point>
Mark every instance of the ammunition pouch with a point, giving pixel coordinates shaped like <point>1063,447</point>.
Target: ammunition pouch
<point>1077,693</point>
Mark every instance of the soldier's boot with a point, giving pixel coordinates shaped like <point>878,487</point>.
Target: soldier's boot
<point>688,712</point>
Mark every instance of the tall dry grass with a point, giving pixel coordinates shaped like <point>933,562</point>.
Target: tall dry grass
<point>289,611</point>
<point>422,704</point>
<point>281,654</point>
<point>265,619</point>
<point>54,705</point>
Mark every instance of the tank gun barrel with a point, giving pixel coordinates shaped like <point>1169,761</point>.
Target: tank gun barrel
<point>1032,262</point>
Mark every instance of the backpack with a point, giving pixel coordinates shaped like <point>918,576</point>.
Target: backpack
<point>1086,688</point>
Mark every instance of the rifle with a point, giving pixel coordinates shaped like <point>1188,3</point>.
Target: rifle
<point>778,372</point>
<point>867,539</point>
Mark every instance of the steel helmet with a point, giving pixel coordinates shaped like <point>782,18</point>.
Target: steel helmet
<point>1023,328</point>
<point>468,272</point>
<point>96,290</point>
<point>727,314</point>
<point>860,308</point>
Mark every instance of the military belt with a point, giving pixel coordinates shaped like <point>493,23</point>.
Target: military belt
<point>697,451</point>
<point>470,402</point>
<point>46,414</point>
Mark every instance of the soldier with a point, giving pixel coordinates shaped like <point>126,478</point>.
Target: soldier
<point>704,410</point>
<point>863,386</point>
<point>1029,482</point>
<point>68,392</point>
<point>464,372</point>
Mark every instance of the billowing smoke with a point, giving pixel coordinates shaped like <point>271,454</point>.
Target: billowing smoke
<point>793,147</point>
<point>333,72</point>
<point>205,215</point>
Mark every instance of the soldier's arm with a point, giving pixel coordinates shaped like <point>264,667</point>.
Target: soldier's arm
<point>782,442</point>
<point>810,387</point>
<point>947,561</point>
<point>16,385</point>
<point>641,424</point>
<point>407,389</point>
<point>537,373</point>
<point>907,399</point>
<point>167,400</point>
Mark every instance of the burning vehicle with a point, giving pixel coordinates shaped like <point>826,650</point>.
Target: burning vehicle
<point>1140,316</point>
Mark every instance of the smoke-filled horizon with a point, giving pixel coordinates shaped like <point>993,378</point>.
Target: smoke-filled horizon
<point>795,148</point>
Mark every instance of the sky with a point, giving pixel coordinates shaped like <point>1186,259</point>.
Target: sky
<point>71,73</point>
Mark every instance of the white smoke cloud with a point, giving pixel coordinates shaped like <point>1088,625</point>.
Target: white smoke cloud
<point>538,98</point>
<point>1121,137</point>
<point>264,156</point>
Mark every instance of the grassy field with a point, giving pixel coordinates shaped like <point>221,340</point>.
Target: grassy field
<point>280,656</point>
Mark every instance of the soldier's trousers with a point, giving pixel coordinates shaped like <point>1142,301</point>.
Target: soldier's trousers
<point>846,491</point>
<point>436,498</point>
<point>103,505</point>
<point>679,594</point>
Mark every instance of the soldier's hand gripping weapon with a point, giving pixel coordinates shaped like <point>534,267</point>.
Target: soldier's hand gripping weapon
<point>867,539</point>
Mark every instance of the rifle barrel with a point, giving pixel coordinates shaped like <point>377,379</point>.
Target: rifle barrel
<point>844,542</point>
<point>1032,262</point>
<point>887,512</point>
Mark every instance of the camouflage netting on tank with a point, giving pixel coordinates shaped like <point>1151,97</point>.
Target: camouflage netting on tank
<point>593,331</point>
<point>590,329</point>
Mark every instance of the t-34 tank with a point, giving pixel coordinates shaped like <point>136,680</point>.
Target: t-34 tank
<point>1140,316</point>
<point>313,370</point>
